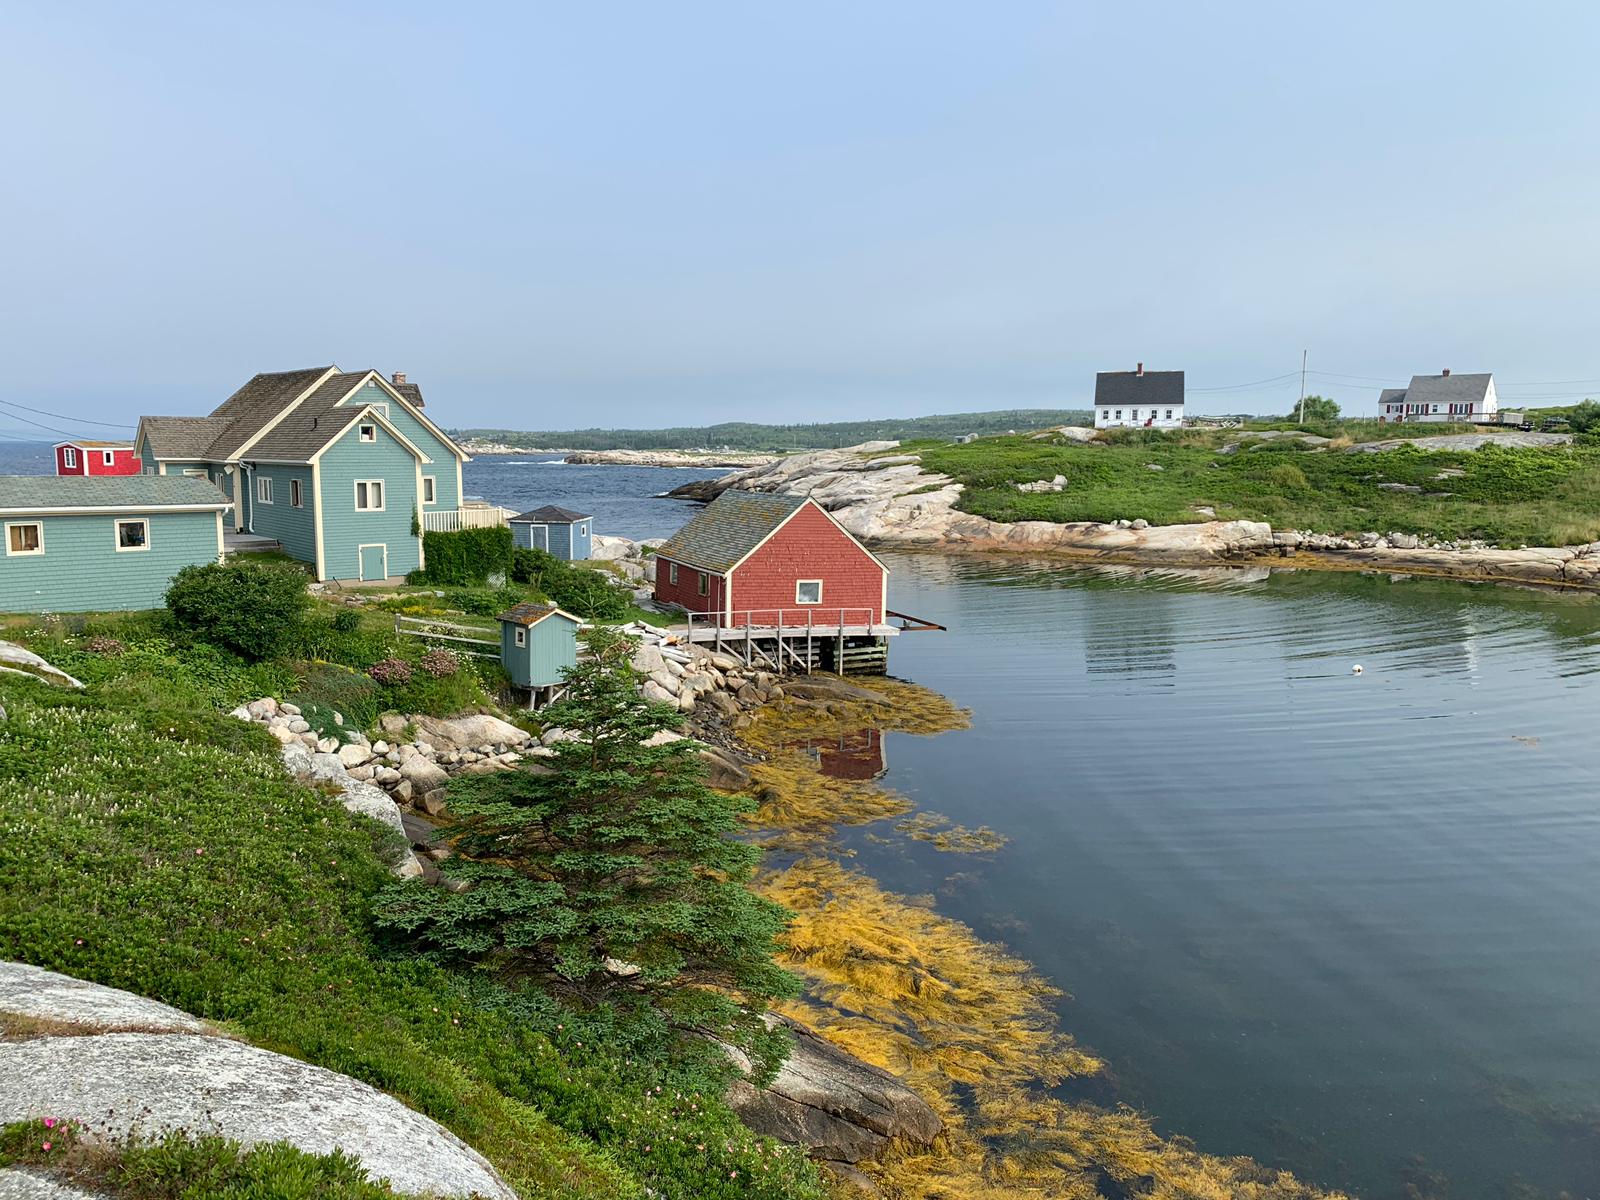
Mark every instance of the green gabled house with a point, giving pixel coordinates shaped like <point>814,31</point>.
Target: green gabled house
<point>341,468</point>
<point>75,543</point>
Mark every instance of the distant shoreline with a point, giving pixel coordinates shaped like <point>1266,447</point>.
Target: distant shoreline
<point>708,460</point>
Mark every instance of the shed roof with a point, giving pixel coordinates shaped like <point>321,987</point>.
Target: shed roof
<point>532,614</point>
<point>1122,388</point>
<point>87,444</point>
<point>551,514</point>
<point>728,528</point>
<point>48,493</point>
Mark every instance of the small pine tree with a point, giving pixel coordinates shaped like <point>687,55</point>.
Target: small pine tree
<point>611,874</point>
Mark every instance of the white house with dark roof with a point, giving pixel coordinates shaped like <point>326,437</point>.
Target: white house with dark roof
<point>342,468</point>
<point>1138,399</point>
<point>1443,398</point>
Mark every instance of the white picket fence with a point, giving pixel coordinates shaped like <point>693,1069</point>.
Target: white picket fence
<point>453,520</point>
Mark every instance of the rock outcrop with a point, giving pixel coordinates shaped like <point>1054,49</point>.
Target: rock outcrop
<point>19,660</point>
<point>843,1109</point>
<point>888,499</point>
<point>172,1075</point>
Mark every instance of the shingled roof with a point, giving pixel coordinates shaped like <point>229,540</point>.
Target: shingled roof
<point>729,528</point>
<point>532,614</point>
<point>260,400</point>
<point>307,429</point>
<point>182,437</point>
<point>551,514</point>
<point>45,493</point>
<point>1122,389</point>
<point>1442,389</point>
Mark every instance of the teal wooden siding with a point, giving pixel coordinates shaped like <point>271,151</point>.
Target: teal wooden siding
<point>82,571</point>
<point>443,466</point>
<point>343,528</point>
<point>530,536</point>
<point>552,647</point>
<point>294,527</point>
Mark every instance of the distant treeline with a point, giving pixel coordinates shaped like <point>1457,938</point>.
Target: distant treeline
<point>744,435</point>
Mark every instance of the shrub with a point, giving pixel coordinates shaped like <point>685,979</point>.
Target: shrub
<point>467,557</point>
<point>346,620</point>
<point>108,646</point>
<point>582,591</point>
<point>480,603</point>
<point>391,672</point>
<point>248,607</point>
<point>440,663</point>
<point>1288,477</point>
<point>327,688</point>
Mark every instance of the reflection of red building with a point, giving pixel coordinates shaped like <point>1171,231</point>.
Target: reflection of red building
<point>857,755</point>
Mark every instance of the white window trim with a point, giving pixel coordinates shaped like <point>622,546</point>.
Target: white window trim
<point>380,407</point>
<point>297,494</point>
<point>108,458</point>
<point>521,637</point>
<point>430,489</point>
<point>583,530</point>
<point>263,489</point>
<point>69,457</point>
<point>800,583</point>
<point>10,553</point>
<point>383,494</point>
<point>672,573</point>
<point>197,473</point>
<point>116,534</point>
<point>703,584</point>
<point>384,546</point>
<point>367,431</point>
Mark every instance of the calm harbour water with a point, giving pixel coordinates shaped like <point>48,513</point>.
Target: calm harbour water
<point>1346,924</point>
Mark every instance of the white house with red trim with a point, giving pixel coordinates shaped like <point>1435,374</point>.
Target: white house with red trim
<point>96,458</point>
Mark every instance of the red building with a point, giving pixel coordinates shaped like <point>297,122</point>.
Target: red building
<point>755,559</point>
<point>96,458</point>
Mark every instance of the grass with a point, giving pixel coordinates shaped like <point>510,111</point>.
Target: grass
<point>149,843</point>
<point>1509,497</point>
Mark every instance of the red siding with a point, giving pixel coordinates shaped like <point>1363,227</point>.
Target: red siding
<point>91,461</point>
<point>687,590</point>
<point>809,546</point>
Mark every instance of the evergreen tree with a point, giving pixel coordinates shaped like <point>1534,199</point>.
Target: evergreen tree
<point>610,874</point>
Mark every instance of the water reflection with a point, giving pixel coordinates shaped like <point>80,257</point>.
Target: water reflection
<point>857,755</point>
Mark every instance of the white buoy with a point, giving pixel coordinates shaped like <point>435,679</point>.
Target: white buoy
<point>1356,670</point>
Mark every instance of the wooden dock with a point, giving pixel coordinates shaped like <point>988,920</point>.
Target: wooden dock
<point>845,641</point>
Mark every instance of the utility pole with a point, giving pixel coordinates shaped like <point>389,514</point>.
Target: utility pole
<point>1302,419</point>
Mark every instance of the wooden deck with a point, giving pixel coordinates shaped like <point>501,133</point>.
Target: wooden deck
<point>805,639</point>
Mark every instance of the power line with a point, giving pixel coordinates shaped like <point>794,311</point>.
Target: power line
<point>62,416</point>
<point>1239,387</point>
<point>37,425</point>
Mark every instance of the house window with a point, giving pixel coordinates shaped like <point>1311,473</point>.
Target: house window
<point>296,500</point>
<point>381,408</point>
<point>1133,414</point>
<point>69,458</point>
<point>196,473</point>
<point>583,531</point>
<point>1169,414</point>
<point>522,635</point>
<point>264,489</point>
<point>108,458</point>
<point>808,591</point>
<point>429,490</point>
<point>133,535</point>
<point>672,573</point>
<point>1119,414</point>
<point>704,586</point>
<point>25,537</point>
<point>369,433</point>
<point>369,495</point>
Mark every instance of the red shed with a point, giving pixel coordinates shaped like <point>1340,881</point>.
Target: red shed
<point>758,559</point>
<point>96,458</point>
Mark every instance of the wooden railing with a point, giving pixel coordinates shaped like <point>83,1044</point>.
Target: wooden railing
<point>453,520</point>
<point>792,621</point>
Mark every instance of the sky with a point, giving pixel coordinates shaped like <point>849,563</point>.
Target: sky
<point>637,214</point>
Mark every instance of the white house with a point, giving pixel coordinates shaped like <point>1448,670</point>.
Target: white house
<point>1138,399</point>
<point>1442,398</point>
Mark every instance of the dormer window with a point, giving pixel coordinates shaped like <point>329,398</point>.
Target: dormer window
<point>368,433</point>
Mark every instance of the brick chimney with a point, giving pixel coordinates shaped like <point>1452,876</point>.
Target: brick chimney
<point>1446,374</point>
<point>1140,370</point>
<point>400,378</point>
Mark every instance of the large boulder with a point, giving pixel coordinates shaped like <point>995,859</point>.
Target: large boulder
<point>18,1184</point>
<point>425,775</point>
<point>173,1076</point>
<point>831,1102</point>
<point>463,733</point>
<point>19,660</point>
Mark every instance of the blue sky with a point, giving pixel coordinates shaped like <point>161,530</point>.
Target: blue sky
<point>641,214</point>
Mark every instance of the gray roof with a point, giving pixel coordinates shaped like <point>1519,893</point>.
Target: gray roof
<point>532,614</point>
<point>551,514</point>
<point>728,528</point>
<point>1448,389</point>
<point>256,405</point>
<point>40,493</point>
<point>307,429</point>
<point>1121,389</point>
<point>182,437</point>
<point>1391,394</point>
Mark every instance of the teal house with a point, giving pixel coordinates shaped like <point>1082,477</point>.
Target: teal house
<point>560,531</point>
<point>537,643</point>
<point>340,468</point>
<point>76,543</point>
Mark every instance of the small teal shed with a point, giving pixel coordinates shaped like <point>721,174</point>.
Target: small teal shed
<point>103,543</point>
<point>537,643</point>
<point>560,531</point>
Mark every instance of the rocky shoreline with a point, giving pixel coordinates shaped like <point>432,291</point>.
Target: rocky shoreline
<point>730,460</point>
<point>889,500</point>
